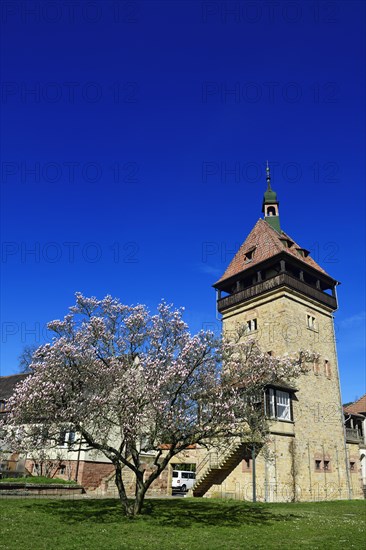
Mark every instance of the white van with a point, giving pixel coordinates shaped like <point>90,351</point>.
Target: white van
<point>182,481</point>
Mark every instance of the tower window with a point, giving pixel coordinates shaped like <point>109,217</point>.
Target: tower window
<point>322,465</point>
<point>278,404</point>
<point>311,322</point>
<point>271,211</point>
<point>316,367</point>
<point>352,466</point>
<point>327,369</point>
<point>251,326</point>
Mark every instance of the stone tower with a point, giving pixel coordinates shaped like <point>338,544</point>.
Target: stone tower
<point>286,301</point>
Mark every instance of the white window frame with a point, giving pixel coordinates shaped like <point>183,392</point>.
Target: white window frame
<point>272,403</point>
<point>69,437</point>
<point>279,405</point>
<point>283,404</point>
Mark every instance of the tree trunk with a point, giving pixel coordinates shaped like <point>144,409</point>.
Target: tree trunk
<point>128,508</point>
<point>140,494</point>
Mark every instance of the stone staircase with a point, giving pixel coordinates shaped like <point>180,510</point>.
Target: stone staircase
<point>216,466</point>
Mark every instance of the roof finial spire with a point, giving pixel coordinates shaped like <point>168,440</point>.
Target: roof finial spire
<point>268,178</point>
<point>270,204</point>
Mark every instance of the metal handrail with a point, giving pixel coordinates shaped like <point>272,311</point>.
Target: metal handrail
<point>211,460</point>
<point>353,433</point>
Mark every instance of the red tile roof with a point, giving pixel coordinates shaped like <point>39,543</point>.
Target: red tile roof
<point>357,407</point>
<point>265,243</point>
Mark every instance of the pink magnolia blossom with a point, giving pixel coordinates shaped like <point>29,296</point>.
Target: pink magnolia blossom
<point>128,381</point>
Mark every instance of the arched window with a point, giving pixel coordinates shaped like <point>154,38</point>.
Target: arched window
<point>271,211</point>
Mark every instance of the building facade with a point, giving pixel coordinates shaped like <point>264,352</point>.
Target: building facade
<point>286,302</point>
<point>69,459</point>
<point>355,422</point>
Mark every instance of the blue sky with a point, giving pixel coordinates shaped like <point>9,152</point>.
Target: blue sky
<point>134,142</point>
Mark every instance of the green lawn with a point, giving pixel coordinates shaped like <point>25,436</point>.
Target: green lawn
<point>182,523</point>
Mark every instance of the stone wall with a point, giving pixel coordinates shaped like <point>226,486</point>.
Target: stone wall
<point>90,474</point>
<point>289,469</point>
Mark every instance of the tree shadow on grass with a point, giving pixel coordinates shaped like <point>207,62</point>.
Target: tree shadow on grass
<point>211,512</point>
<point>167,512</point>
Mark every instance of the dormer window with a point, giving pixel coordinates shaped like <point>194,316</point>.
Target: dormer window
<point>303,252</point>
<point>2,406</point>
<point>287,243</point>
<point>248,255</point>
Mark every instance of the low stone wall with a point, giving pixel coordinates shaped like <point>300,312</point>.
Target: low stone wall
<point>91,474</point>
<point>88,474</point>
<point>39,489</point>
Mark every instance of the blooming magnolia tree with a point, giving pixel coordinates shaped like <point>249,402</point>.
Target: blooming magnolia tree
<point>130,382</point>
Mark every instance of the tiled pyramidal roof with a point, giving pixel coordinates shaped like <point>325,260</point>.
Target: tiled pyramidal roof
<point>262,243</point>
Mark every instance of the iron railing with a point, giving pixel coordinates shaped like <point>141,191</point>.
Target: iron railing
<point>211,460</point>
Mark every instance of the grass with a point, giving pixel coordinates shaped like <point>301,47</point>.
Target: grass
<point>179,524</point>
<point>37,480</point>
